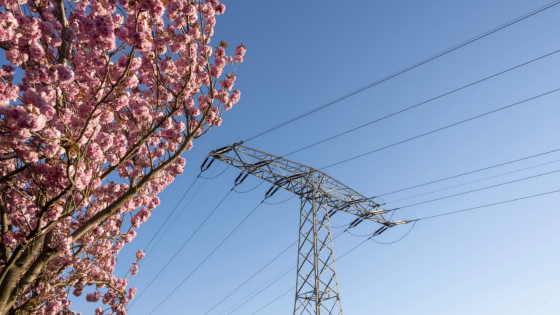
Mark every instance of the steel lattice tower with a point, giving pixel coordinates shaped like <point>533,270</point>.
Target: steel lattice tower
<point>321,197</point>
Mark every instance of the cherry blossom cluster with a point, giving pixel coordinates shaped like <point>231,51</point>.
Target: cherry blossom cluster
<point>112,94</point>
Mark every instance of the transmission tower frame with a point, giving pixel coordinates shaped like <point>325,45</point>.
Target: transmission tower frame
<point>321,196</point>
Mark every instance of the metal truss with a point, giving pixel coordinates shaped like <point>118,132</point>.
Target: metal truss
<point>321,197</point>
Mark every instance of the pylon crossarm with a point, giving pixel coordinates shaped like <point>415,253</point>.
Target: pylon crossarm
<point>297,178</point>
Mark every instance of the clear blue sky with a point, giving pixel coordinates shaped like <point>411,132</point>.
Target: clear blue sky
<point>301,54</point>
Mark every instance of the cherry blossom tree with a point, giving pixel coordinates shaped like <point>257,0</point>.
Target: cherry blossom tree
<point>112,94</point>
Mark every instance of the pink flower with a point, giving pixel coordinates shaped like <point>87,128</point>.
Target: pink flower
<point>220,8</point>
<point>94,153</point>
<point>78,291</point>
<point>189,102</point>
<point>216,72</point>
<point>131,293</point>
<point>141,41</point>
<point>235,96</point>
<point>36,52</point>
<point>240,51</point>
<point>27,155</point>
<point>65,75</point>
<point>85,124</point>
<point>193,111</point>
<point>226,84</point>
<point>220,62</point>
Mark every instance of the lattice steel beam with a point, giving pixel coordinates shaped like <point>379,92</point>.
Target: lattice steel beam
<point>296,177</point>
<point>321,197</point>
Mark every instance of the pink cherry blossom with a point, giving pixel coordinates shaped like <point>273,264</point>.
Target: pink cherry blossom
<point>113,94</point>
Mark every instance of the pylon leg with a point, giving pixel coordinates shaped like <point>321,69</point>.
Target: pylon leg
<point>317,286</point>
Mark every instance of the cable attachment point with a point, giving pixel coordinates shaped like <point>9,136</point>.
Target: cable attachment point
<point>271,191</point>
<point>240,179</point>
<point>380,230</point>
<point>402,222</point>
<point>205,167</point>
<point>332,212</point>
<point>355,223</point>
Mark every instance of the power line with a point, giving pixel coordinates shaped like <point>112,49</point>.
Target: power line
<point>479,189</point>
<point>254,275</point>
<point>440,129</point>
<point>339,258</point>
<point>475,181</point>
<point>168,216</point>
<point>175,221</point>
<point>370,234</point>
<point>181,212</point>
<point>276,281</point>
<point>246,191</point>
<point>280,274</point>
<point>182,246</point>
<point>276,299</point>
<point>484,206</point>
<point>419,104</point>
<point>430,217</point>
<point>474,39</point>
<point>213,251</point>
<point>470,172</point>
<point>270,262</point>
<point>277,203</point>
<point>400,239</point>
<point>225,169</point>
<point>273,282</point>
<point>171,213</point>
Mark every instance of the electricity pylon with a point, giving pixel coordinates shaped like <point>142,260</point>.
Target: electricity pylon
<point>321,197</point>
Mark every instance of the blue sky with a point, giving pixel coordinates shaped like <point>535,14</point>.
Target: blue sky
<point>302,54</point>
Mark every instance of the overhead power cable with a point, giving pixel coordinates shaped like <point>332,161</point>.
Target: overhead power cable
<point>280,275</point>
<point>246,191</point>
<point>208,256</point>
<point>371,236</point>
<point>484,206</point>
<point>338,259</point>
<point>175,221</point>
<point>251,277</point>
<point>256,273</point>
<point>270,262</point>
<point>167,219</point>
<point>420,104</point>
<point>445,52</point>
<point>225,169</point>
<point>440,129</point>
<point>172,211</point>
<point>401,237</point>
<point>276,299</point>
<point>268,286</point>
<point>479,189</point>
<point>170,214</point>
<point>277,203</point>
<point>470,172</point>
<point>179,250</point>
<point>474,181</point>
<point>294,267</point>
<point>426,218</point>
